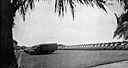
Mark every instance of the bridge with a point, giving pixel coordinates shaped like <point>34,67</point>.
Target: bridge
<point>98,46</point>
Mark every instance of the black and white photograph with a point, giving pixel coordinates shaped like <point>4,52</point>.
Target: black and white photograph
<point>64,34</point>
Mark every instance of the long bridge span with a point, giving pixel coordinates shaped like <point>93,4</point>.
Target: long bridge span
<point>98,46</point>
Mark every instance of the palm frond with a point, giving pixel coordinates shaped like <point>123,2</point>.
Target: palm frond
<point>117,18</point>
<point>125,3</point>
<point>122,22</point>
<point>61,5</point>
<point>123,17</point>
<point>100,4</point>
<point>72,5</point>
<point>122,26</point>
<point>23,5</point>
<point>61,8</point>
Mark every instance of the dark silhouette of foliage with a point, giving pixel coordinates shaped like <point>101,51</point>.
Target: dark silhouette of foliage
<point>122,26</point>
<point>60,5</point>
<point>122,22</point>
<point>61,9</point>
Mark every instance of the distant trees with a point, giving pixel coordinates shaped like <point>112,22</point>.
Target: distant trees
<point>20,47</point>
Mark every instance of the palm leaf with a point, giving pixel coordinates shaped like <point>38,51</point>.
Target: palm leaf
<point>100,4</point>
<point>60,5</point>
<point>117,19</point>
<point>125,3</point>
<point>61,8</point>
<point>23,5</point>
<point>122,26</point>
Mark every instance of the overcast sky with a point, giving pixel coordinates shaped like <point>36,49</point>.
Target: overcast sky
<point>42,25</point>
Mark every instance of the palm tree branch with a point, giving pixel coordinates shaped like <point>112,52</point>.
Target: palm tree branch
<point>23,5</point>
<point>121,31</point>
<point>61,5</point>
<point>61,8</point>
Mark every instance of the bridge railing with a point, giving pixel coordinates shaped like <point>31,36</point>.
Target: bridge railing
<point>99,46</point>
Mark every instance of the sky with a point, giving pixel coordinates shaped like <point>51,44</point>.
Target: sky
<point>43,25</point>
